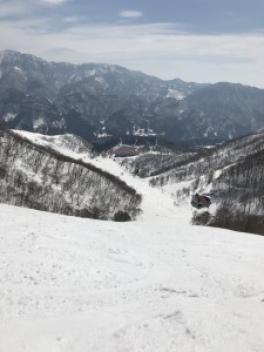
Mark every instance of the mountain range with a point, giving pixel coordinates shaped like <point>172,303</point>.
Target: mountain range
<point>99,101</point>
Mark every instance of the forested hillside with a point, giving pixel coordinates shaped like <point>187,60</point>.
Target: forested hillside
<point>39,177</point>
<point>232,174</point>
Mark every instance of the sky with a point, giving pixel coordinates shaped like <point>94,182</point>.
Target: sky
<point>195,40</point>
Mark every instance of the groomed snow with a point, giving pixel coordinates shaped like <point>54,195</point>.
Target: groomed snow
<point>157,284</point>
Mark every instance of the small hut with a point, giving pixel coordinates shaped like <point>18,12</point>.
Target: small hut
<point>200,201</point>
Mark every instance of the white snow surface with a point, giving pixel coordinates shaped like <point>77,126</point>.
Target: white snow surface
<point>157,284</point>
<point>38,122</point>
<point>10,116</point>
<point>174,93</point>
<point>67,144</point>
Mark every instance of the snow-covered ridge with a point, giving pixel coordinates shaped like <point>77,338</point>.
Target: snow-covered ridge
<point>66,143</point>
<point>40,177</point>
<point>74,149</point>
<point>149,206</point>
<point>176,94</point>
<point>232,174</point>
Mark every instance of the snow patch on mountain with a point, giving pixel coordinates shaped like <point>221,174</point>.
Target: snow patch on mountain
<point>174,93</point>
<point>38,123</point>
<point>102,82</point>
<point>10,116</point>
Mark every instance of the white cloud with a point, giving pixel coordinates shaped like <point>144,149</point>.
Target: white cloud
<point>130,14</point>
<point>14,7</point>
<point>159,49</point>
<point>54,2</point>
<point>70,19</point>
<point>23,8</point>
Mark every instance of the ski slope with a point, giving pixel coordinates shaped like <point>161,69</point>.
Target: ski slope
<point>157,284</point>
<point>163,203</point>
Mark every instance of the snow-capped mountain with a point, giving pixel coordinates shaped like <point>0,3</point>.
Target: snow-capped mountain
<point>96,100</point>
<point>56,174</point>
<point>99,100</point>
<point>86,99</point>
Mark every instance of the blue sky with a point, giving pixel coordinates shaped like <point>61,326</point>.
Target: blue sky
<point>196,40</point>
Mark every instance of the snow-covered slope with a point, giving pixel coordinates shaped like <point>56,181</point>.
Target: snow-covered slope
<point>150,195</point>
<point>158,284</point>
<point>232,173</point>
<point>64,142</point>
<point>38,176</point>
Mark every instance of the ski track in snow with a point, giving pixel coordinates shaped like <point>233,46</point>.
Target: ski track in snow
<point>156,284</point>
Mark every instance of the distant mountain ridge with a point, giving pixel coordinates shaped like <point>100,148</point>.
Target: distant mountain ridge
<point>98,101</point>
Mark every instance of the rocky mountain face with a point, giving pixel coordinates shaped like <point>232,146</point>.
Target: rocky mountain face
<point>97,100</point>
<point>38,177</point>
